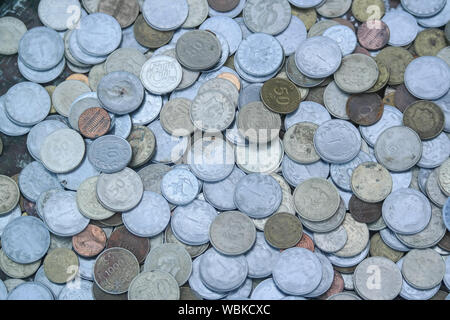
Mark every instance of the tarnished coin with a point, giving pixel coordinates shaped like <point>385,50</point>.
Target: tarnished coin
<point>424,117</point>
<point>114,270</point>
<point>423,268</point>
<point>396,59</point>
<point>154,285</point>
<point>152,175</point>
<point>433,191</point>
<point>371,182</point>
<point>65,94</point>
<point>125,12</point>
<point>110,154</point>
<point>383,78</point>
<point>61,265</point>
<point>38,134</point>
<point>223,5</point>
<point>316,199</point>
<point>12,29</point>
<point>298,143</point>
<point>283,230</point>
<point>373,34</point>
<point>357,238</point>
<point>122,238</point>
<point>87,201</point>
<point>280,96</point>
<point>363,211</point>
<point>257,123</point>
<point>256,23</point>
<point>380,249</point>
<point>324,226</point>
<point>232,233</point>
<point>17,270</point>
<point>364,10</point>
<point>9,194</point>
<point>444,177</point>
<point>148,36</point>
<point>120,191</point>
<point>143,145</point>
<point>390,279</point>
<point>90,242</point>
<point>175,117</point>
<point>357,73</point>
<point>342,173</point>
<point>161,74</point>
<point>94,122</point>
<point>165,15</point>
<point>365,109</point>
<point>319,28</point>
<point>429,42</point>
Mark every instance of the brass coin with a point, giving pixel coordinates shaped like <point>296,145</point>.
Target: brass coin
<point>364,212</point>
<point>379,249</point>
<point>283,230</point>
<point>364,10</point>
<point>223,5</point>
<point>232,78</point>
<point>383,78</point>
<point>396,59</point>
<point>61,265</point>
<point>389,98</point>
<point>143,145</point>
<point>50,90</point>
<point>149,37</point>
<point>365,109</point>
<point>303,91</point>
<point>308,16</point>
<point>94,122</point>
<point>280,96</point>
<point>373,34</point>
<point>371,182</point>
<point>79,77</point>
<point>403,98</point>
<point>424,117</point>
<point>429,42</point>
<point>124,11</point>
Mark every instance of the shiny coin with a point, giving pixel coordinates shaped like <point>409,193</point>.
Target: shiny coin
<point>365,109</point>
<point>161,74</point>
<point>122,238</point>
<point>61,265</point>
<point>357,73</point>
<point>10,194</point>
<point>257,123</point>
<point>13,29</point>
<point>90,242</point>
<point>110,154</point>
<point>423,268</point>
<point>179,186</point>
<point>283,230</point>
<point>165,15</point>
<point>94,122</point>
<point>424,117</point>
<point>364,212</point>
<point>280,96</point>
<point>373,34</point>
<point>371,182</point>
<point>332,241</point>
<point>146,286</point>
<point>378,248</point>
<point>143,145</point>
<point>298,143</point>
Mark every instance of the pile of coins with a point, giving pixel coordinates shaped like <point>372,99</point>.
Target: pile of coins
<point>229,149</point>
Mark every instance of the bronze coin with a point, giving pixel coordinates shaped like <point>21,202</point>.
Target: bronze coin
<point>187,293</point>
<point>345,22</point>
<point>283,230</point>
<point>90,242</point>
<point>114,221</point>
<point>424,117</point>
<point>403,98</point>
<point>365,109</point>
<point>445,242</point>
<point>364,212</point>
<point>306,242</point>
<point>94,122</point>
<point>149,37</point>
<point>232,78</point>
<point>79,77</point>
<point>125,11</point>
<point>336,286</point>
<point>30,208</point>
<point>123,238</point>
<point>223,5</point>
<point>99,294</point>
<point>346,270</point>
<point>373,34</point>
<point>362,50</point>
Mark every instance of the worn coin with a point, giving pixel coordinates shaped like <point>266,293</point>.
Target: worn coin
<point>122,238</point>
<point>148,36</point>
<point>378,248</point>
<point>298,143</point>
<point>66,93</point>
<point>444,177</point>
<point>278,22</point>
<point>433,191</point>
<point>12,29</point>
<point>357,73</point>
<point>154,285</point>
<point>257,123</point>
<point>420,9</point>
<point>222,85</point>
<point>143,145</point>
<point>365,109</point>
<point>10,194</point>
<point>125,12</point>
<point>357,238</point>
<point>17,270</point>
<point>165,15</point>
<point>383,78</point>
<point>161,74</point>
<point>175,117</point>
<point>396,59</point>
<point>125,59</point>
<point>435,152</point>
<point>261,258</point>
<point>90,242</point>
<point>391,117</point>
<point>429,42</point>
<point>423,268</point>
<point>283,230</point>
<point>179,187</point>
<point>110,154</point>
<point>373,34</point>
<point>371,182</point>
<point>344,36</point>
<point>34,179</point>
<point>280,96</point>
<point>61,265</point>
<point>363,211</point>
<point>402,26</point>
<point>87,201</point>
<point>94,122</point>
<point>332,241</point>
<point>424,117</point>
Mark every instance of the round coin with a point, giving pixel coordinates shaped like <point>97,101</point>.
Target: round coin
<point>298,143</point>
<point>365,109</point>
<point>278,23</point>
<point>161,74</point>
<point>396,59</point>
<point>283,230</point>
<point>257,123</point>
<point>364,10</point>
<point>90,242</point>
<point>143,145</point>
<point>87,201</point>
<point>122,238</point>
<point>371,182</point>
<point>148,36</point>
<point>280,95</point>
<point>94,122</point>
<point>9,194</point>
<point>148,286</point>
<point>423,268</point>
<point>364,212</point>
<point>378,248</point>
<point>61,265</point>
<point>165,15</point>
<point>124,11</point>
<point>373,34</point>
<point>12,30</point>
<point>421,9</point>
<point>426,118</point>
<point>110,154</point>
<point>357,73</point>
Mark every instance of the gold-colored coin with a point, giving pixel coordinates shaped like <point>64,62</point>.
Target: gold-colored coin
<point>303,91</point>
<point>424,117</point>
<point>429,42</point>
<point>283,230</point>
<point>389,99</point>
<point>50,90</point>
<point>79,77</point>
<point>149,37</point>
<point>308,16</point>
<point>280,96</point>
<point>61,265</point>
<point>379,249</point>
<point>364,10</point>
<point>396,59</point>
<point>383,78</point>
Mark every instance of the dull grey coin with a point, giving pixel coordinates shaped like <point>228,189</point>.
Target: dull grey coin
<point>5,219</point>
<point>82,291</point>
<point>27,103</point>
<point>179,187</point>
<point>120,92</point>
<point>444,103</point>
<point>308,111</point>
<point>227,27</point>
<point>165,15</point>
<point>250,93</point>
<point>41,76</point>
<point>257,123</point>
<point>391,240</point>
<point>34,179</point>
<point>152,175</point>
<point>332,241</point>
<point>243,292</point>
<point>423,268</point>
<point>129,40</point>
<point>327,275</point>
<point>38,134</point>
<point>73,179</point>
<point>346,262</point>
<point>196,283</point>
<point>257,195</point>
<point>335,101</point>
<point>175,117</point>
<point>261,258</point>
<point>122,126</point>
<point>406,211</point>
<point>267,290</point>
<point>297,272</point>
<point>150,217</point>
<point>342,173</point>
<point>330,224</point>
<point>231,13</point>
<point>109,154</point>
<point>433,190</point>
<point>198,12</point>
<point>295,173</point>
<point>169,149</point>
<point>273,24</point>
<point>59,15</point>
<point>388,282</point>
<point>13,29</point>
<point>190,223</point>
<point>25,240</point>
<point>148,111</point>
<point>435,151</point>
<point>87,201</point>
<point>292,36</point>
<point>120,191</point>
<point>42,278</point>
<point>222,273</point>
<point>344,36</point>
<point>125,59</point>
<point>420,9</point>
<point>80,55</point>
<point>222,85</point>
<point>391,117</point>
<point>7,126</point>
<point>30,291</point>
<point>437,20</point>
<point>41,48</point>
<point>78,107</point>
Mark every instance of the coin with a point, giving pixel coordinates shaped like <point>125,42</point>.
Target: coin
<point>90,242</point>
<point>122,238</point>
<point>147,286</point>
<point>175,117</point>
<point>383,78</point>
<point>61,265</point>
<point>357,73</point>
<point>364,10</point>
<point>344,36</point>
<point>12,29</point>
<point>364,212</point>
<point>143,145</point>
<point>257,24</point>
<point>396,59</point>
<point>283,230</point>
<point>424,117</point>
<point>223,86</point>
<point>10,194</point>
<point>198,12</point>
<point>148,36</point>
<point>87,201</point>
<point>444,177</point>
<point>402,26</point>
<point>373,34</point>
<point>344,296</point>
<point>280,96</point>
<point>125,12</point>
<point>332,241</point>
<point>298,143</point>
<point>371,182</point>
<point>319,28</point>
<point>161,74</point>
<point>17,270</point>
<point>66,93</point>
<point>193,250</point>
<point>165,16</point>
<point>94,122</point>
<point>365,109</point>
<point>257,123</point>
<point>433,191</point>
<point>308,16</point>
<point>429,42</point>
<point>423,268</point>
<point>379,249</point>
<point>179,186</point>
<point>403,98</point>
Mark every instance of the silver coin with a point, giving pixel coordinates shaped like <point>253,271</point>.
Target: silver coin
<point>406,211</point>
<point>446,214</point>
<point>233,135</point>
<point>232,233</point>
<point>327,275</point>
<point>179,187</point>
<point>67,93</point>
<point>427,78</point>
<point>80,55</point>
<point>402,26</point>
<point>227,27</point>
<point>61,215</point>
<point>38,134</point>
<point>391,240</point>
<point>198,12</point>
<point>251,93</point>
<point>401,180</point>
<point>42,278</point>
<point>27,103</point>
<point>433,190</point>
<point>252,79</point>
<point>196,284</point>
<point>378,225</point>
<point>34,179</point>
<point>243,292</point>
<point>444,103</point>
<point>222,273</point>
<point>150,217</point>
<point>318,57</point>
<point>152,175</point>
<point>420,9</point>
<point>109,154</point>
<point>335,101</point>
<point>121,191</point>
<point>193,250</point>
<point>391,117</point>
<point>297,272</point>
<point>98,34</point>
<point>308,111</point>
<point>41,48</point>
<point>169,149</point>
<point>337,141</point>
<point>437,20</point>
<point>342,173</point>
<point>305,4</point>
<point>260,158</point>
<point>73,179</point>
<point>330,224</point>
<point>77,290</point>
<point>148,111</point>
<point>165,15</point>
<point>125,59</point>
<point>13,29</point>
<point>87,201</point>
<point>279,19</point>
<point>332,241</point>
<point>292,36</point>
<point>261,258</point>
<point>161,74</point>
<point>25,240</point>
<point>41,76</point>
<point>388,283</point>
<point>122,126</point>
<point>225,53</point>
<point>267,290</point>
<point>77,108</point>
<point>346,262</point>
<point>7,126</point>
<point>222,85</point>
<point>357,73</point>
<point>344,36</point>
<point>30,291</point>
<point>435,151</point>
<point>295,173</point>
<point>59,15</point>
<point>423,268</point>
<point>129,40</point>
<point>232,13</point>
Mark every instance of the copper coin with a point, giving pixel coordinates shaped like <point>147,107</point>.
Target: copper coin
<point>424,117</point>
<point>345,22</point>
<point>94,122</point>
<point>403,98</point>
<point>149,37</point>
<point>336,286</point>
<point>79,77</point>
<point>373,34</point>
<point>114,221</point>
<point>362,50</point>
<point>223,5</point>
<point>125,11</point>
<point>364,212</point>
<point>305,242</point>
<point>232,78</point>
<point>445,242</point>
<point>99,294</point>
<point>90,242</point>
<point>365,109</point>
<point>123,238</point>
